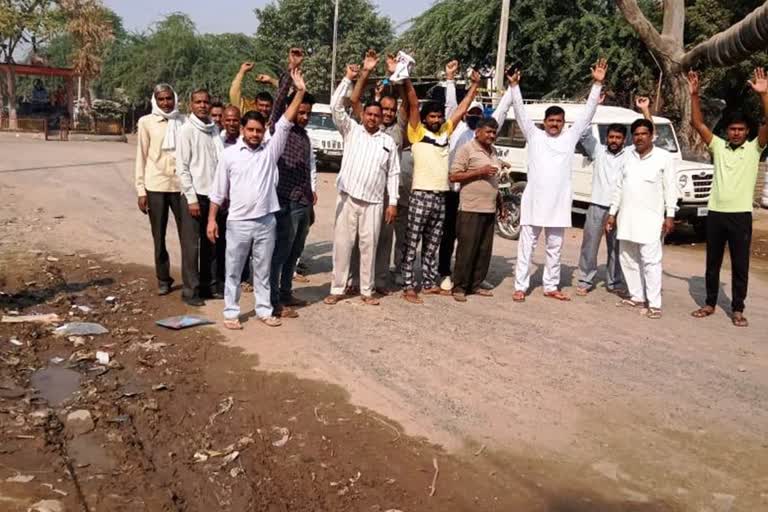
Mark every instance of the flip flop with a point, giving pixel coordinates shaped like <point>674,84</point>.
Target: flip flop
<point>483,292</point>
<point>332,300</point>
<point>271,321</point>
<point>435,290</point>
<point>518,296</point>
<point>233,325</point>
<point>557,295</point>
<point>370,301</point>
<point>653,313</point>
<point>739,321</point>
<point>412,297</point>
<point>703,312</point>
<point>629,303</point>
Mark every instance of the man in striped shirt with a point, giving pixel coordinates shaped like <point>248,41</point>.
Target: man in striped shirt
<point>370,165</point>
<point>429,133</point>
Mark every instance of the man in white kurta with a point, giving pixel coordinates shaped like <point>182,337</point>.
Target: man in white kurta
<point>546,203</point>
<point>645,198</point>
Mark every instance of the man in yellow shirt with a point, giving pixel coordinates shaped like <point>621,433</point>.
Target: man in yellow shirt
<point>263,101</point>
<point>428,132</point>
<point>729,220</point>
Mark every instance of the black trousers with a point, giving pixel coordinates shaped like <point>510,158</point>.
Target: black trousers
<point>473,254</point>
<point>448,241</point>
<point>159,203</point>
<point>198,255</point>
<point>734,229</point>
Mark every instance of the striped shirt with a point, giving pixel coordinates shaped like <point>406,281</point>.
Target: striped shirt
<point>370,163</point>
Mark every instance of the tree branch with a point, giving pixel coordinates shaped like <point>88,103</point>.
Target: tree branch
<point>674,21</point>
<point>635,17</point>
<point>734,44</point>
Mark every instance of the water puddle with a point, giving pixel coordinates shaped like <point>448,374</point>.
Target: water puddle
<point>55,385</point>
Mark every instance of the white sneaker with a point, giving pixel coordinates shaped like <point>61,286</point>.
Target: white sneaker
<point>446,284</point>
<point>485,285</point>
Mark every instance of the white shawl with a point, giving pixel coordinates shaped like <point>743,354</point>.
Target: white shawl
<point>175,121</point>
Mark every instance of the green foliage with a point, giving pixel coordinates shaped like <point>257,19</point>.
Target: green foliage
<point>309,25</point>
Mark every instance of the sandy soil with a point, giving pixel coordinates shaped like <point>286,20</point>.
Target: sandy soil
<point>583,401</point>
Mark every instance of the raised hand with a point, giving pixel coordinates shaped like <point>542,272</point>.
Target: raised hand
<point>246,67</point>
<point>295,58</point>
<point>451,68</point>
<point>474,77</point>
<point>264,79</point>
<point>643,103</point>
<point>298,80</point>
<point>352,71</point>
<point>391,63</point>
<point>760,83</point>
<point>693,83</point>
<point>514,78</point>
<point>599,70</point>
<point>371,60</point>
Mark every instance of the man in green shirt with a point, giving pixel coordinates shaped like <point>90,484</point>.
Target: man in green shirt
<point>729,220</point>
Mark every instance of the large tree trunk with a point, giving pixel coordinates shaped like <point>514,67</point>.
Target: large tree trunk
<point>13,122</point>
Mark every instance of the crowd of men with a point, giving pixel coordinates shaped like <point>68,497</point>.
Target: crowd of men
<point>240,181</point>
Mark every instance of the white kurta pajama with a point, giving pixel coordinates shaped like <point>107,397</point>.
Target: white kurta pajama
<point>645,193</point>
<point>546,203</point>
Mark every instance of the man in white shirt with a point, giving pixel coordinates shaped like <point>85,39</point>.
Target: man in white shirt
<point>645,198</point>
<point>197,154</point>
<point>369,165</point>
<point>546,203</point>
<point>247,176</point>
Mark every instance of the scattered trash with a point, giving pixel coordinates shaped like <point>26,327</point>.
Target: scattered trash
<point>84,309</point>
<point>200,457</point>
<point>159,387</point>
<point>11,360</point>
<point>102,357</point>
<point>151,405</point>
<point>229,458</point>
<point>183,322</point>
<point>40,418</point>
<point>481,450</point>
<point>80,329</point>
<point>16,342</point>
<point>123,418</point>
<point>224,406</point>
<point>20,479</point>
<point>52,259</point>
<point>80,422</point>
<point>741,369</point>
<point>111,299</point>
<point>235,472</point>
<point>77,341</point>
<point>57,360</point>
<point>49,318</point>
<point>433,487</point>
<point>286,435</point>
<point>53,489</point>
<point>47,506</point>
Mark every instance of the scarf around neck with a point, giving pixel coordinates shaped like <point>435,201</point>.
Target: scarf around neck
<point>175,121</point>
<point>209,129</point>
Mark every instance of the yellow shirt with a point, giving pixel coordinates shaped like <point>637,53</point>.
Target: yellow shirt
<point>236,96</point>
<point>155,169</point>
<point>733,186</point>
<point>430,157</point>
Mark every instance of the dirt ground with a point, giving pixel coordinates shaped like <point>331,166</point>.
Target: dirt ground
<point>540,406</point>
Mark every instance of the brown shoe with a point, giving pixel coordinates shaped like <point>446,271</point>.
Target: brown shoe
<point>459,297</point>
<point>294,301</point>
<point>286,312</point>
<point>483,292</point>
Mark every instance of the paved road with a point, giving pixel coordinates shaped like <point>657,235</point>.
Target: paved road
<point>568,396</point>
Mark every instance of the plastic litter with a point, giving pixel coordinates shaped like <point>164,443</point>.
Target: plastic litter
<point>102,357</point>
<point>44,319</point>
<point>80,329</point>
<point>183,322</point>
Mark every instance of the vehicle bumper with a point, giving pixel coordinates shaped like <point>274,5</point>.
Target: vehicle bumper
<point>691,212</point>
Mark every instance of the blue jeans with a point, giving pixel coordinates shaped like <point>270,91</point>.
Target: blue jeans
<point>258,236</point>
<point>293,221</point>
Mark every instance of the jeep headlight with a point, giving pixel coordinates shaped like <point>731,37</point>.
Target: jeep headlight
<point>682,180</point>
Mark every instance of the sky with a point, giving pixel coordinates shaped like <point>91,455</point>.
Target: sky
<point>231,15</point>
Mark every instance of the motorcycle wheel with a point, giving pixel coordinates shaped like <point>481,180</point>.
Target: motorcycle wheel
<point>509,228</point>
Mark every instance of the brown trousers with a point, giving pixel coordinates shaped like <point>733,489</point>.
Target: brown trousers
<point>473,254</point>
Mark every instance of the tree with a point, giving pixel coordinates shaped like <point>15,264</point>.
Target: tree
<point>309,24</point>
<point>731,45</point>
<point>23,22</point>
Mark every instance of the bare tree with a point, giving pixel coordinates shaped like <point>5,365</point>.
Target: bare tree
<point>729,47</point>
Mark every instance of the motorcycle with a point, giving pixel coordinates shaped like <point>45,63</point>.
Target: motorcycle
<point>508,218</point>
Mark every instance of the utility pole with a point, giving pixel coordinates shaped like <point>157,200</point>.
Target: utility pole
<point>333,51</point>
<point>501,49</point>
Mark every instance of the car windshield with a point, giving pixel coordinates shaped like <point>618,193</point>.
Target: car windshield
<point>321,121</point>
<point>664,137</point>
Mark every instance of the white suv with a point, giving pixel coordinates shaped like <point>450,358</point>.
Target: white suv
<point>327,142</point>
<point>694,179</point>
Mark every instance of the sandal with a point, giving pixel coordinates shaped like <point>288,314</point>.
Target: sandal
<point>739,320</point>
<point>518,296</point>
<point>703,312</point>
<point>271,321</point>
<point>653,313</point>
<point>483,292</point>
<point>435,290</point>
<point>233,324</point>
<point>629,303</point>
<point>332,300</point>
<point>286,312</point>
<point>459,297</point>
<point>300,278</point>
<point>412,297</point>
<point>370,301</point>
<point>557,295</point>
